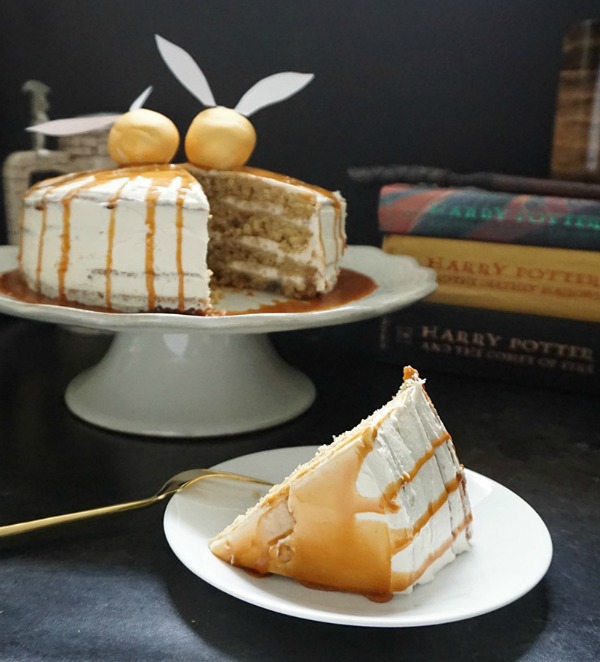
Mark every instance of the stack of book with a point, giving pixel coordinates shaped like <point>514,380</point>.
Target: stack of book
<point>518,275</point>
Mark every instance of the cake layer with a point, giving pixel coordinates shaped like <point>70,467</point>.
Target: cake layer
<point>379,510</point>
<point>129,239</point>
<point>262,224</point>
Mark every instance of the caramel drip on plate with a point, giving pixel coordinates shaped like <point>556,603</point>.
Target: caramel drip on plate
<point>351,286</point>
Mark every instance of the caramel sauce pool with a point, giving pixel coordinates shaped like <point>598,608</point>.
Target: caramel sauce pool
<point>351,286</point>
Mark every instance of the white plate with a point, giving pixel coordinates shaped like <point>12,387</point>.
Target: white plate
<point>511,553</point>
<point>400,279</point>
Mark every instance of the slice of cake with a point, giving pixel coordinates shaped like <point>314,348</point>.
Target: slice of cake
<point>129,239</point>
<point>272,232</point>
<point>380,509</point>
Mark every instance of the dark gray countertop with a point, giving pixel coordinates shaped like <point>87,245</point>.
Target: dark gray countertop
<point>112,588</point>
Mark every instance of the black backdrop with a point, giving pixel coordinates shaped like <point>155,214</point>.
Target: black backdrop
<point>464,84</point>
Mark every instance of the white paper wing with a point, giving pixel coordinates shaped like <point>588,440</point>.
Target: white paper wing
<point>272,89</point>
<point>187,72</point>
<point>73,125</point>
<point>141,100</point>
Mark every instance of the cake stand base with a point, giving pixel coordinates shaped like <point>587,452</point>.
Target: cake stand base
<point>189,385</point>
<point>212,375</point>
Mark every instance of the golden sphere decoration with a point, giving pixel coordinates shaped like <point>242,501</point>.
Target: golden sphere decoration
<point>219,138</point>
<point>142,137</point>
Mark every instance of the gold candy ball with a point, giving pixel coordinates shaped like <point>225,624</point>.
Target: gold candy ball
<point>219,138</point>
<point>142,137</point>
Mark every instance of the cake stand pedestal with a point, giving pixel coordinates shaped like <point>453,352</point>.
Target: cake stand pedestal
<point>191,376</point>
<point>189,384</point>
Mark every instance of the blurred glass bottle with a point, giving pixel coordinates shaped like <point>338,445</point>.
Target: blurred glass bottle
<point>576,144</point>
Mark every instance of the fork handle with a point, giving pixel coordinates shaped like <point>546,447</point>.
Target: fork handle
<point>44,522</point>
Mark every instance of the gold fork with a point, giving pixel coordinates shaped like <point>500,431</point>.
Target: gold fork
<point>175,484</point>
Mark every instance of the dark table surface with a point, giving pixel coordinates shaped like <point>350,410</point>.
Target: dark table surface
<point>112,588</point>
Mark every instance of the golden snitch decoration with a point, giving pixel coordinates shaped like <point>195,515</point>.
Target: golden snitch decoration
<point>218,138</point>
<point>142,137</point>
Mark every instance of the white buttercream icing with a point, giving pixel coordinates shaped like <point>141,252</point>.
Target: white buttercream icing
<point>76,232</point>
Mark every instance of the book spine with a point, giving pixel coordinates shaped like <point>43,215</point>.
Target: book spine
<point>555,282</point>
<point>518,348</point>
<point>490,216</point>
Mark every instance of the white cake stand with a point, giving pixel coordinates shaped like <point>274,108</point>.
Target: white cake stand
<point>178,375</point>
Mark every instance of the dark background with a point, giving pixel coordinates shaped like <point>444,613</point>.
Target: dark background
<point>451,83</point>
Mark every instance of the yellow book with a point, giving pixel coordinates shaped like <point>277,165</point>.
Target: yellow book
<point>556,282</point>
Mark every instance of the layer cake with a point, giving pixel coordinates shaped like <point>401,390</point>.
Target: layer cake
<point>272,232</point>
<point>146,238</point>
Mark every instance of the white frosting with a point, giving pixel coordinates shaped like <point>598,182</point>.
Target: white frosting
<point>407,429</point>
<point>88,242</point>
<point>333,241</point>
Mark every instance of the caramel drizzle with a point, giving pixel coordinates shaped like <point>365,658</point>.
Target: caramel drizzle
<point>391,491</point>
<point>339,237</point>
<point>285,179</point>
<point>401,538</point>
<point>151,199</point>
<point>45,186</point>
<point>109,256</point>
<point>292,181</point>
<point>38,268</point>
<point>65,248</point>
<point>21,227</point>
<point>402,580</point>
<point>112,205</point>
<point>387,503</point>
<point>158,175</point>
<point>179,250</point>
